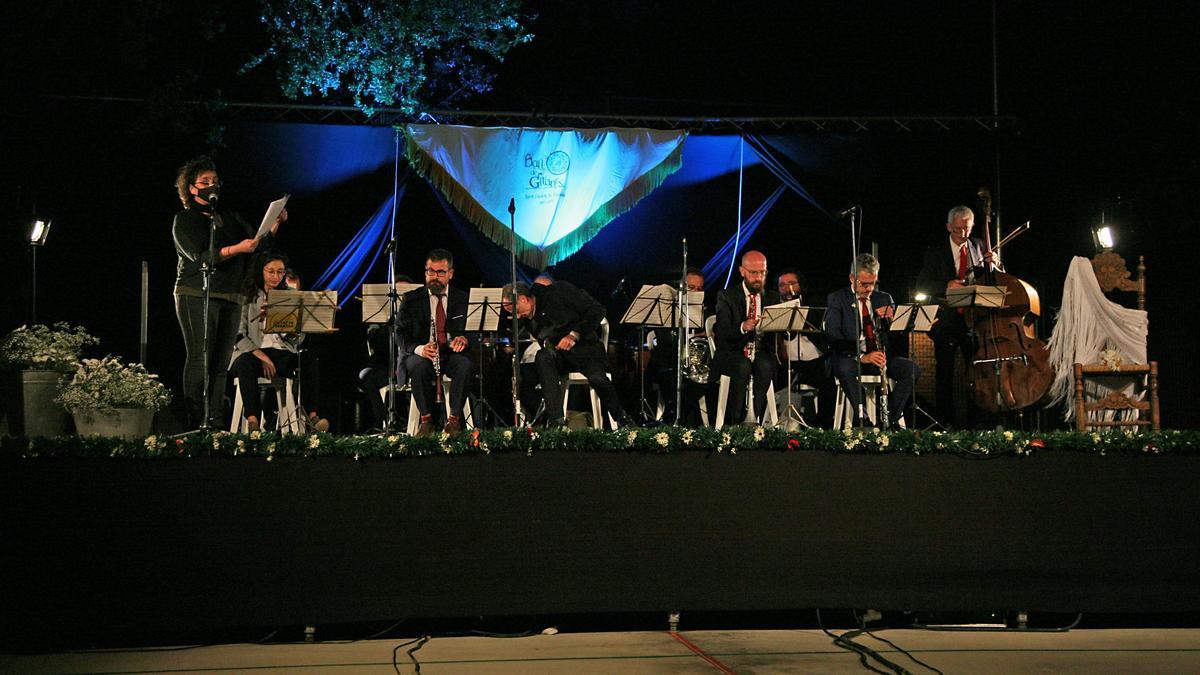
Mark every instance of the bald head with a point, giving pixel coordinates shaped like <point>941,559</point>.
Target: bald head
<point>754,270</point>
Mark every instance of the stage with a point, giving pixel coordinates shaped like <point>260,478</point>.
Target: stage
<point>115,548</point>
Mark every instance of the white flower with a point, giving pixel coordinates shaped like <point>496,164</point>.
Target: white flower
<point>393,439</point>
<point>216,443</point>
<point>632,437</point>
<point>271,448</point>
<point>314,441</point>
<point>759,433</point>
<point>508,434</point>
<point>733,451</point>
<point>255,435</point>
<point>443,437</point>
<point>687,437</point>
<point>533,435</point>
<point>883,441</point>
<point>241,446</point>
<point>725,439</point>
<point>446,448</point>
<point>662,438</point>
<point>1008,435</point>
<point>356,456</point>
<point>1095,437</point>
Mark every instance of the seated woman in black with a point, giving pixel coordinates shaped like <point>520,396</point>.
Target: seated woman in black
<point>268,354</point>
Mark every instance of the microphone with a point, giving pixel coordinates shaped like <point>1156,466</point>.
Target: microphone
<point>845,212</point>
<point>512,206</point>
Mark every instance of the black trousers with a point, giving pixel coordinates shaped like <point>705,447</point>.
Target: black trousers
<point>948,343</point>
<point>458,366</point>
<point>248,368</point>
<point>588,358</point>
<point>903,371</point>
<point>740,369</point>
<point>223,319</point>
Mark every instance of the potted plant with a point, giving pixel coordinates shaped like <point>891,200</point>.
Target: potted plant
<point>110,398</point>
<point>36,360</point>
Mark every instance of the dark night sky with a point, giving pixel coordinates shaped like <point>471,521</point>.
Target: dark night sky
<point>1103,95</point>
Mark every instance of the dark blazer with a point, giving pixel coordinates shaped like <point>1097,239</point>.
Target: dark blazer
<point>937,269</point>
<point>841,320</point>
<point>731,312</point>
<point>563,307</point>
<point>415,316</point>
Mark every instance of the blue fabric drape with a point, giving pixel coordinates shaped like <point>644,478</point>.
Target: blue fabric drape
<point>732,248</point>
<point>347,272</point>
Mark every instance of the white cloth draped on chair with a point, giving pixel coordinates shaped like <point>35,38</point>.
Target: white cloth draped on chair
<point>1092,329</point>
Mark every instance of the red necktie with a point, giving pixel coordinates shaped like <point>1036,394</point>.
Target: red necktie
<point>962,262</point>
<point>441,321</point>
<point>868,326</point>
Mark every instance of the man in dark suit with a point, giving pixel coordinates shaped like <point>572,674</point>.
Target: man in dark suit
<point>946,265</point>
<point>741,351</point>
<point>861,304</point>
<point>433,320</point>
<point>565,321</point>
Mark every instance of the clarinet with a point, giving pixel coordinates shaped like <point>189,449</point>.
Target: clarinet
<point>885,387</point>
<point>437,359</point>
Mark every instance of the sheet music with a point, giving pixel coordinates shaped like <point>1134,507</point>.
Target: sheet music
<point>483,309</point>
<point>291,311</point>
<point>269,217</point>
<point>376,305</point>
<point>786,316</point>
<point>918,318</point>
<point>652,306</point>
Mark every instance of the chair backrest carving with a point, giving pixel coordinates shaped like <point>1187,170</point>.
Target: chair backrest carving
<point>1113,275</point>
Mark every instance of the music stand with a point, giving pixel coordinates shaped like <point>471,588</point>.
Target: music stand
<point>977,295</point>
<point>298,313</point>
<point>786,317</point>
<point>916,318</point>
<point>483,315</point>
<point>656,306</point>
<point>377,307</point>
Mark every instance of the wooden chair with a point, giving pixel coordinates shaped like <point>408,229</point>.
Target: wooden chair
<point>1113,275</point>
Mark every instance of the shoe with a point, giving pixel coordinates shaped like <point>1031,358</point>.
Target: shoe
<point>453,425</point>
<point>252,425</point>
<point>426,426</point>
<point>319,424</point>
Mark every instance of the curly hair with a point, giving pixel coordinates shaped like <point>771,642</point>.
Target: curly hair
<point>187,176</point>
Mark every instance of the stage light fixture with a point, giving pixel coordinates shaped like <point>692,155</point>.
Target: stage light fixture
<point>39,231</point>
<point>920,296</point>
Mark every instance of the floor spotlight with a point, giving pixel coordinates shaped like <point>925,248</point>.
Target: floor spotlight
<point>39,231</point>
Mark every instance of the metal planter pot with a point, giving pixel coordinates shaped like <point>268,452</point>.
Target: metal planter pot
<point>29,402</point>
<point>127,423</point>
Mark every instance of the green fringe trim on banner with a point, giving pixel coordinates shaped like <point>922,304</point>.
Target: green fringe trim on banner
<point>501,233</point>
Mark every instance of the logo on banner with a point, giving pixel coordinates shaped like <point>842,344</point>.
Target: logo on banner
<point>547,175</point>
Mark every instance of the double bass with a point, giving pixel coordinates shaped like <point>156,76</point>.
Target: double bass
<point>1011,369</point>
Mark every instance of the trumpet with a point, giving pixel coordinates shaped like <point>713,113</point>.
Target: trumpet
<point>437,358</point>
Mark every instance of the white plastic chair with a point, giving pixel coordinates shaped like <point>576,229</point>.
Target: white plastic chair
<point>843,412</point>
<point>576,378</point>
<point>287,416</point>
<point>414,414</point>
<point>772,413</point>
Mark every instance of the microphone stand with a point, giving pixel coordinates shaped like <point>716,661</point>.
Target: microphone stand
<point>206,276</point>
<point>684,311</point>
<point>516,322</point>
<point>855,227</point>
<point>393,301</point>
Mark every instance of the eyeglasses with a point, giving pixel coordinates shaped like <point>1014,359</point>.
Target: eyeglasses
<point>441,274</point>
<point>208,184</point>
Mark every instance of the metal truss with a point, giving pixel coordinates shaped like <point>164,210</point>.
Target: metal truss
<point>318,114</point>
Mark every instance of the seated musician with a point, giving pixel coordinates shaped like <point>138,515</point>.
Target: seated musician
<point>664,362</point>
<point>432,324</point>
<point>842,319</point>
<point>949,265</point>
<point>807,354</point>
<point>740,347</point>
<point>258,354</point>
<point>565,321</point>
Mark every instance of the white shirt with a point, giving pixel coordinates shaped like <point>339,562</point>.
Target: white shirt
<point>433,303</point>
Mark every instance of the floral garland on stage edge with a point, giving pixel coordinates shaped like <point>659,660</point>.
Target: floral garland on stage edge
<point>268,446</point>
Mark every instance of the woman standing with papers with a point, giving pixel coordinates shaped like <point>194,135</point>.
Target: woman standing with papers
<point>213,242</point>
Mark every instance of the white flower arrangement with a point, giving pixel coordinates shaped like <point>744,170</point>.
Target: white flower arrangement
<point>43,348</point>
<point>106,384</point>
